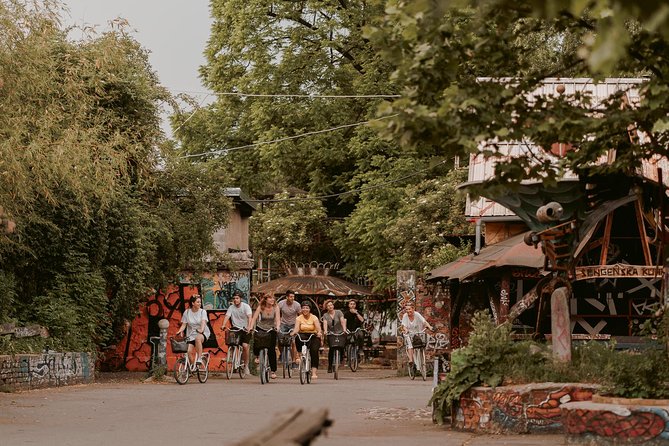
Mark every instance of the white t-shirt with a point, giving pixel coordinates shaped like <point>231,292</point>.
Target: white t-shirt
<point>193,322</point>
<point>239,316</point>
<point>417,325</point>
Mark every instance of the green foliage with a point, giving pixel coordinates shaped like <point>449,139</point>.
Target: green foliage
<point>491,358</point>
<point>291,231</point>
<point>104,213</point>
<point>442,50</point>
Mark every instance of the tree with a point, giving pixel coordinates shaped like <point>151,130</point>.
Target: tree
<point>294,53</point>
<point>104,211</point>
<point>442,53</point>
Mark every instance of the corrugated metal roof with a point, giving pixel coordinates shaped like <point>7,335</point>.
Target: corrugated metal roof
<point>510,252</point>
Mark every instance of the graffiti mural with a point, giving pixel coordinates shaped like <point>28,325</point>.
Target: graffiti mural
<point>135,351</point>
<point>45,370</point>
<point>638,425</point>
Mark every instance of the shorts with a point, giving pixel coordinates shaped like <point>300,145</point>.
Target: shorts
<point>245,336</point>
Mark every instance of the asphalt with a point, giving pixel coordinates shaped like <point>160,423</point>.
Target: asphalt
<point>369,407</point>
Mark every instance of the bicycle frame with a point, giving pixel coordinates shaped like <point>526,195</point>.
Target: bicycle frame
<point>263,360</point>
<point>352,350</point>
<point>233,360</point>
<point>305,360</point>
<point>287,357</point>
<point>418,357</point>
<point>336,356</point>
<point>183,368</point>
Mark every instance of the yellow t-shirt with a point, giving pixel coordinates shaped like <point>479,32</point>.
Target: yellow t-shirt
<point>307,325</point>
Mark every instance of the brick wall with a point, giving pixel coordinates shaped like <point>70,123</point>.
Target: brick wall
<point>20,372</point>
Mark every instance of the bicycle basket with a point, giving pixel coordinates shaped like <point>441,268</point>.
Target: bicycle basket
<point>179,346</point>
<point>418,340</point>
<point>336,340</point>
<point>284,339</point>
<point>233,338</point>
<point>262,339</point>
<point>357,337</point>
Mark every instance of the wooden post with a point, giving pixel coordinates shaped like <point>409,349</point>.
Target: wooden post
<point>504,299</point>
<point>560,324</point>
<point>290,428</point>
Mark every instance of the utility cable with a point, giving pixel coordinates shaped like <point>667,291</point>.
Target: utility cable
<point>286,95</point>
<point>287,138</point>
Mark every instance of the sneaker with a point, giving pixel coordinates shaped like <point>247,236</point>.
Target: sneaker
<point>247,371</point>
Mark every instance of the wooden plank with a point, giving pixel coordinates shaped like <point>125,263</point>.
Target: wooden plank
<point>606,239</point>
<point>290,428</point>
<point>642,232</point>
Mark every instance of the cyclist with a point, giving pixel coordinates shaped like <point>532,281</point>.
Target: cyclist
<point>194,322</point>
<point>354,321</point>
<point>307,323</point>
<point>412,322</point>
<point>266,317</point>
<point>239,314</point>
<point>333,320</point>
<point>290,309</point>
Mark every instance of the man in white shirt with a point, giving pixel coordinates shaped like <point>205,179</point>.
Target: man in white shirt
<point>239,314</point>
<point>289,309</point>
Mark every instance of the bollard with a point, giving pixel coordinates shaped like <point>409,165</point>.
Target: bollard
<point>163,324</point>
<point>435,373</point>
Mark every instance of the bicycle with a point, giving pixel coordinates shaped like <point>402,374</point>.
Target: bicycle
<point>305,360</point>
<point>233,360</point>
<point>418,341</point>
<point>183,368</point>
<point>336,341</point>
<point>353,349</point>
<point>262,339</point>
<point>285,341</point>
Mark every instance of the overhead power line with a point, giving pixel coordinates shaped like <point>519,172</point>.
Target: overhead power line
<point>287,138</point>
<point>282,95</point>
<point>352,191</point>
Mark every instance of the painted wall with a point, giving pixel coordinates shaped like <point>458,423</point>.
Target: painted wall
<point>45,370</point>
<point>134,351</point>
<point>530,408</point>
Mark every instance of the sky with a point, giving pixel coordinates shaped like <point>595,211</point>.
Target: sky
<point>174,32</point>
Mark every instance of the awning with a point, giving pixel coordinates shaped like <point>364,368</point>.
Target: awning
<point>510,252</point>
<point>312,285</point>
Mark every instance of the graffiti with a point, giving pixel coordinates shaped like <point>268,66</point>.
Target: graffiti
<point>48,369</point>
<point>642,424</point>
<point>645,307</point>
<point>546,413</point>
<point>227,284</point>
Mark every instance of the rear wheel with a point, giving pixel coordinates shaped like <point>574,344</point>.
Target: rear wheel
<point>203,369</point>
<point>181,371</point>
<point>335,364</point>
<point>230,362</point>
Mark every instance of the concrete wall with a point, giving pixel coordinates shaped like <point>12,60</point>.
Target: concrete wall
<point>19,372</point>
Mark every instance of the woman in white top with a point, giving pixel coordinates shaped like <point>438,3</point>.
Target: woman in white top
<point>412,322</point>
<point>194,322</point>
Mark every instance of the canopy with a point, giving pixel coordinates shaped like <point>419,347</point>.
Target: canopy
<point>510,252</point>
<point>312,285</point>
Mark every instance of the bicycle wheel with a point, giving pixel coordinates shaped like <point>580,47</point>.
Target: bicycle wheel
<point>353,357</point>
<point>262,366</point>
<point>423,365</point>
<point>181,371</point>
<point>308,370</point>
<point>239,363</point>
<point>303,370</point>
<point>287,361</point>
<point>203,369</point>
<point>410,368</point>
<point>335,364</point>
<point>230,361</point>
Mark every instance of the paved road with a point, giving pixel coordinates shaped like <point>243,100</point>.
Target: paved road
<point>370,408</point>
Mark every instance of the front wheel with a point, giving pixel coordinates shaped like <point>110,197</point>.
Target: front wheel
<point>411,369</point>
<point>230,362</point>
<point>304,371</point>
<point>286,360</point>
<point>262,367</point>
<point>335,364</point>
<point>353,357</point>
<point>239,363</point>
<point>181,371</point>
<point>203,369</point>
<point>423,366</point>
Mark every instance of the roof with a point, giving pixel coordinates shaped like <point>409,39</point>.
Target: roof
<point>510,252</point>
<point>242,200</point>
<point>313,285</point>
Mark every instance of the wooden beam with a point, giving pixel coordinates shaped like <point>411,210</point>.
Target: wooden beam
<point>642,232</point>
<point>606,239</point>
<point>290,428</point>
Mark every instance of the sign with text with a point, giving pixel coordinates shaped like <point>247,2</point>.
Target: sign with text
<point>617,271</point>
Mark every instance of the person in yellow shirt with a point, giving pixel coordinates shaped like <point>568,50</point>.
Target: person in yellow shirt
<point>305,325</point>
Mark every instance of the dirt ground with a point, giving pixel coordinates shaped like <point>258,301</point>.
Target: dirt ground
<point>370,407</point>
